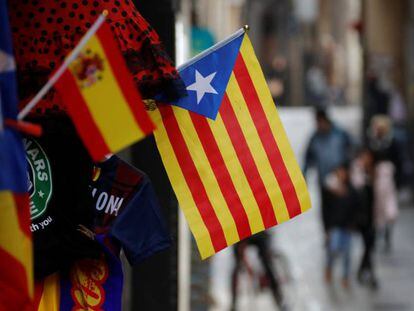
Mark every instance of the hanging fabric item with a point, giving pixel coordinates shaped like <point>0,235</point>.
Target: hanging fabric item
<point>59,170</point>
<point>127,218</point>
<point>127,211</point>
<point>16,265</point>
<point>45,32</point>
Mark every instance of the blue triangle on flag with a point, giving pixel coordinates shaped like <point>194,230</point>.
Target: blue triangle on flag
<point>206,77</point>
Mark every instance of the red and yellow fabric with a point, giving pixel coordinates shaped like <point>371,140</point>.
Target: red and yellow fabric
<point>101,97</point>
<point>84,288</point>
<point>16,262</point>
<point>47,294</point>
<point>236,175</point>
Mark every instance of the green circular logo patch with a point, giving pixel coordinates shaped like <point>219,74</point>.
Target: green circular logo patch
<point>39,176</point>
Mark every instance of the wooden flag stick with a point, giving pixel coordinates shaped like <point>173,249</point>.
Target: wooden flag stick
<point>58,73</point>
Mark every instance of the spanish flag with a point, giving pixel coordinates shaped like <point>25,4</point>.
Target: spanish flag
<point>225,149</point>
<point>102,99</point>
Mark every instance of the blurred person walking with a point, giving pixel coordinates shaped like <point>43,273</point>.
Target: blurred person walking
<point>378,95</point>
<point>328,148</point>
<point>387,157</point>
<point>362,178</point>
<point>262,242</point>
<point>386,205</point>
<point>344,200</point>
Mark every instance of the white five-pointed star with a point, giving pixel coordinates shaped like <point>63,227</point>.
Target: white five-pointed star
<point>202,85</point>
<point>41,193</point>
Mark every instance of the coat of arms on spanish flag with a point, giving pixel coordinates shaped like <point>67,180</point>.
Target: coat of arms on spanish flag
<point>102,99</point>
<point>225,149</point>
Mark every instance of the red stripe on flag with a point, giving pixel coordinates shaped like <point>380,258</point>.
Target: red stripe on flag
<point>124,79</point>
<point>23,212</point>
<point>14,294</point>
<point>38,293</point>
<point>222,174</point>
<point>82,118</point>
<point>193,179</point>
<point>266,136</point>
<point>246,160</point>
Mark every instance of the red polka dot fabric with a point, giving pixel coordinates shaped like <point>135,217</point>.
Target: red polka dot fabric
<point>44,32</point>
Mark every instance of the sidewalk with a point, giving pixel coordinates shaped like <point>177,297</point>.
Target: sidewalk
<point>301,241</point>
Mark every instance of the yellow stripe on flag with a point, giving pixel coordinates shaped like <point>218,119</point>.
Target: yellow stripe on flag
<point>12,239</point>
<point>237,174</point>
<point>182,191</point>
<point>276,125</point>
<point>257,150</point>
<point>50,300</point>
<point>106,101</point>
<point>208,178</point>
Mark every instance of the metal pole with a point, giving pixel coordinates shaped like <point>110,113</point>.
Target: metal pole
<point>182,50</point>
<point>154,283</point>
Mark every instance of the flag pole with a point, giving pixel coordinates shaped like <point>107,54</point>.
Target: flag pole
<point>68,60</point>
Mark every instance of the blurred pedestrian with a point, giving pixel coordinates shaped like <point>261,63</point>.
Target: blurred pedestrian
<point>378,95</point>
<point>262,242</point>
<point>362,178</point>
<point>329,147</point>
<point>387,156</point>
<point>385,198</point>
<point>384,145</point>
<point>344,200</point>
<point>316,86</point>
<point>278,80</point>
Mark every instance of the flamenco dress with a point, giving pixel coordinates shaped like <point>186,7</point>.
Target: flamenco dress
<point>44,33</point>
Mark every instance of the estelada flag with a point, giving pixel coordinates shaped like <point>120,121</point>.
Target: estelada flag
<point>16,260</point>
<point>226,151</point>
<point>101,97</point>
